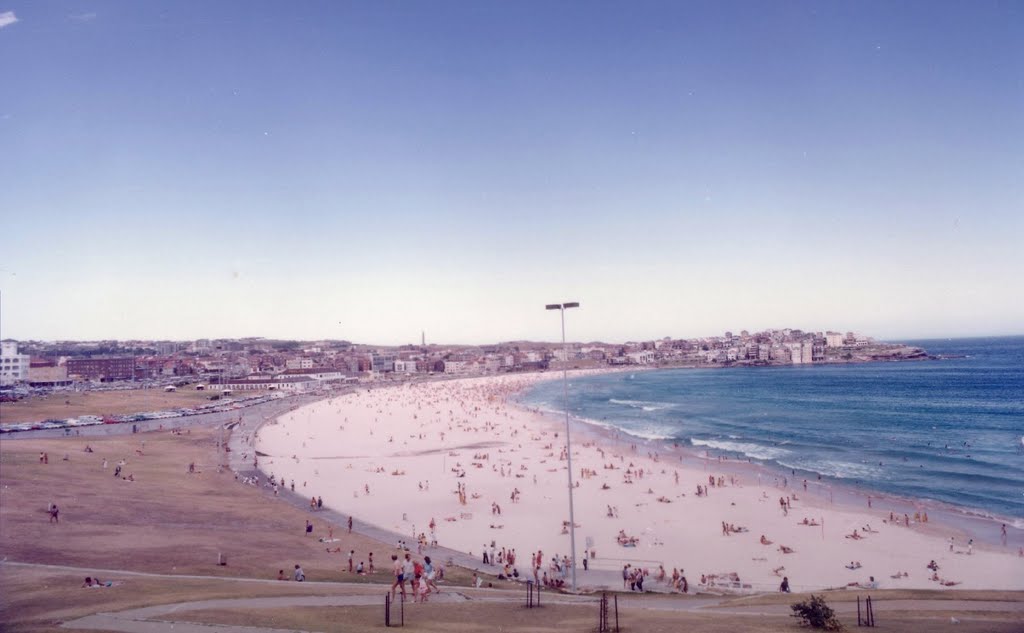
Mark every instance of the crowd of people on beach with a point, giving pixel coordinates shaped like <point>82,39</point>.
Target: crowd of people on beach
<point>492,448</point>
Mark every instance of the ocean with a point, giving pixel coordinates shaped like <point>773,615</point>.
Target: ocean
<point>948,430</point>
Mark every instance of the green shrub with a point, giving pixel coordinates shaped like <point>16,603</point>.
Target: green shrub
<point>816,614</point>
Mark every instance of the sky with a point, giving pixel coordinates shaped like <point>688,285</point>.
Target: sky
<point>371,170</point>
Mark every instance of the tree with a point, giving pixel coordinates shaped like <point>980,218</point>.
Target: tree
<point>816,614</point>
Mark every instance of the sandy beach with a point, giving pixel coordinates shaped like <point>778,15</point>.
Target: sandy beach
<point>460,454</point>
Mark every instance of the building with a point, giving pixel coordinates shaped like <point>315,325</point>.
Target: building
<point>834,339</point>
<point>405,367</point>
<point>166,348</point>
<point>641,358</point>
<point>44,373</point>
<point>102,369</point>
<point>13,366</point>
<point>296,384</point>
<point>383,362</point>
<point>299,363</point>
<point>456,367</point>
<point>320,374</point>
<point>796,353</point>
<point>818,351</point>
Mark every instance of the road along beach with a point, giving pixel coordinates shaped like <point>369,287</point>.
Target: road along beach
<point>458,462</point>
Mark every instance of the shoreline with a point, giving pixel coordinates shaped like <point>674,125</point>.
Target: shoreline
<point>483,423</point>
<point>980,524</point>
<point>985,521</point>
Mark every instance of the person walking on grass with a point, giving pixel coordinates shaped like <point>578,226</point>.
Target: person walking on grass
<point>397,567</point>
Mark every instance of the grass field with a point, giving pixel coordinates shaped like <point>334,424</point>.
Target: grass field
<point>73,404</point>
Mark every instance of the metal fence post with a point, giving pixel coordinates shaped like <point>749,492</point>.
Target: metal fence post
<point>616,613</point>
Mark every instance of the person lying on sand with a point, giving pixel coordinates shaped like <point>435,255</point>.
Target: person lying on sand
<point>626,541</point>
<point>764,540</point>
<point>855,536</point>
<point>786,549</point>
<point>870,584</point>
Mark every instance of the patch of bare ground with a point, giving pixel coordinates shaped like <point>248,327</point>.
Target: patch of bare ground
<point>166,520</point>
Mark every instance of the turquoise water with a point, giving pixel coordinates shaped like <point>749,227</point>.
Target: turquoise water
<point>950,430</point>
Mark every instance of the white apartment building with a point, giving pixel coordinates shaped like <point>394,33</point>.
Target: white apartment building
<point>834,339</point>
<point>797,352</point>
<point>641,358</point>
<point>456,367</point>
<point>405,367</point>
<point>562,354</point>
<point>299,363</point>
<point>13,366</point>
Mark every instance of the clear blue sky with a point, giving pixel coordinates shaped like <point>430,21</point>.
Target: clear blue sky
<point>367,170</point>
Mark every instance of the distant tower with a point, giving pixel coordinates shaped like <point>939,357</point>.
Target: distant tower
<point>423,338</point>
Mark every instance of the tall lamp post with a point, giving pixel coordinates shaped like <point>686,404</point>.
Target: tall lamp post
<point>562,307</point>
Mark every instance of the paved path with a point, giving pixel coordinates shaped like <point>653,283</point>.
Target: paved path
<point>159,619</point>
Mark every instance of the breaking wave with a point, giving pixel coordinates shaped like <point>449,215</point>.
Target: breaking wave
<point>641,404</point>
<point>755,451</point>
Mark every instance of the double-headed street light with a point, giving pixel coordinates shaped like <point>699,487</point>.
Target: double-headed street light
<point>562,307</point>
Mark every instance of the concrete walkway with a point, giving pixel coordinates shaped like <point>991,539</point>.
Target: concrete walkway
<point>160,618</point>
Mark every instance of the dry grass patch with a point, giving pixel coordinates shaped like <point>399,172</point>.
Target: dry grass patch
<point>166,521</point>
<point>73,404</point>
<point>39,597</point>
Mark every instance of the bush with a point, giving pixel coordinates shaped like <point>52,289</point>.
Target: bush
<point>816,614</point>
